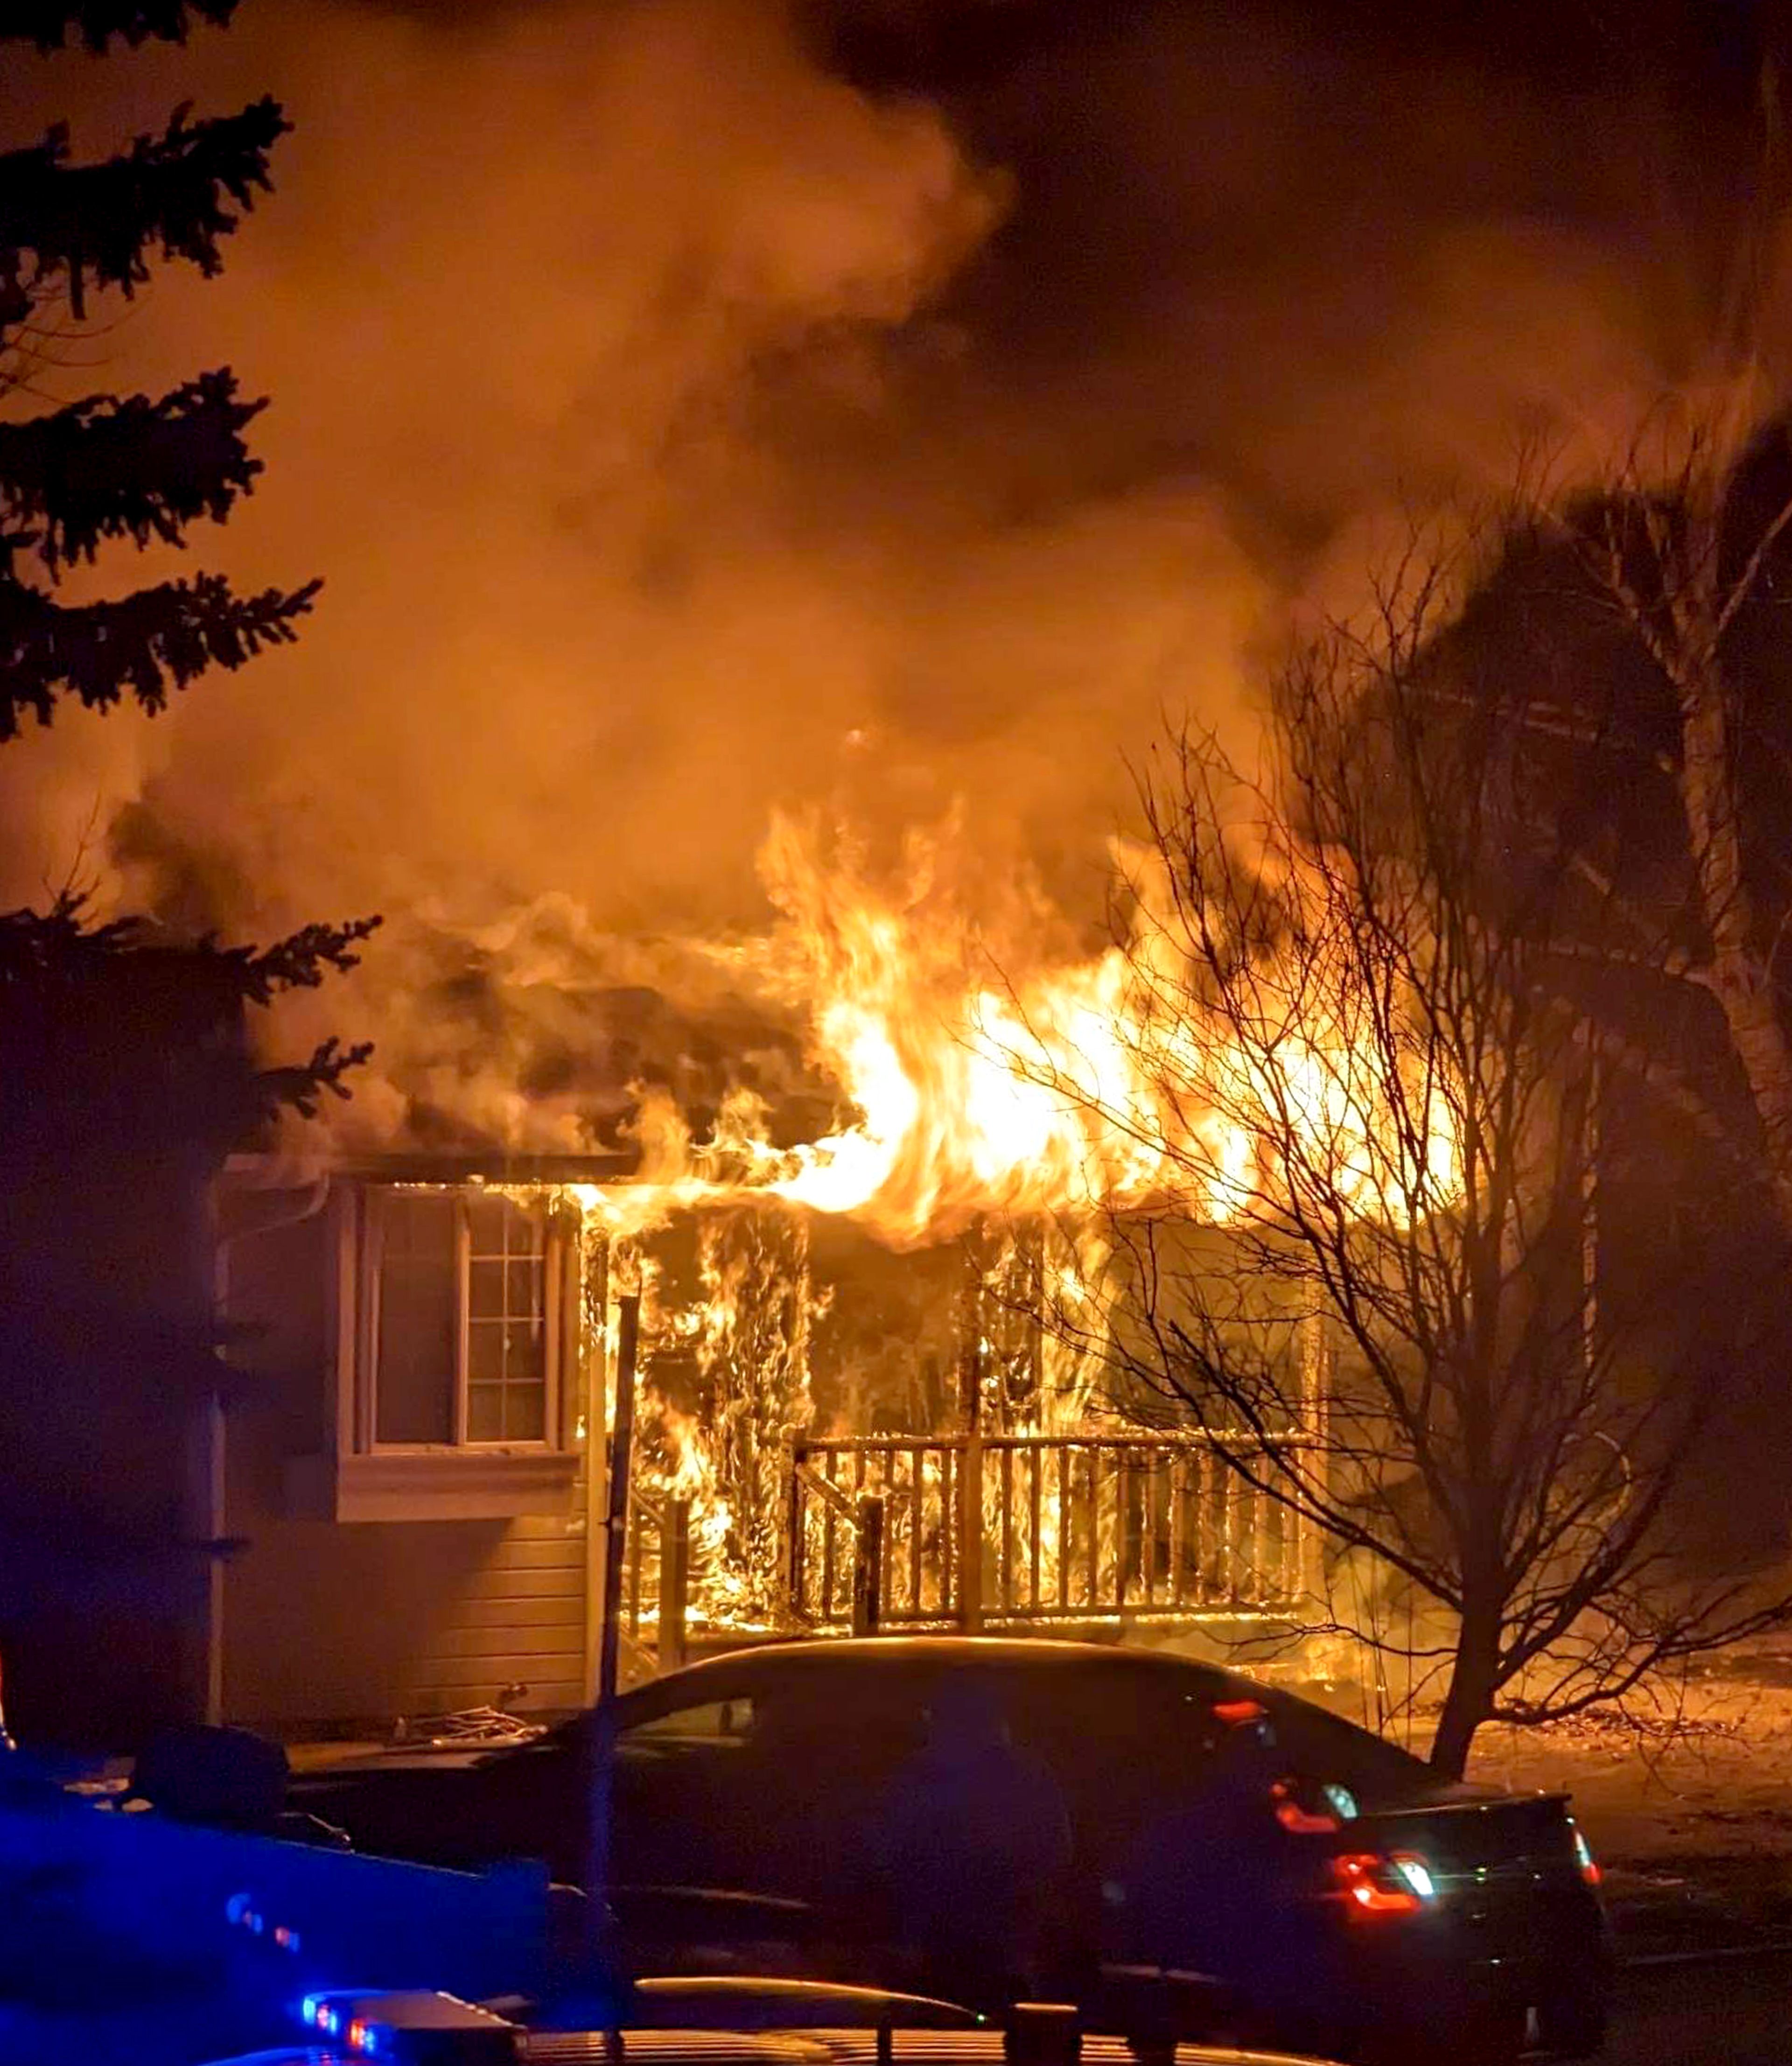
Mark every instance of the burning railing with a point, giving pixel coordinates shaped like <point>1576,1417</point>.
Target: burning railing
<point>1022,1529</point>
<point>656,1584</point>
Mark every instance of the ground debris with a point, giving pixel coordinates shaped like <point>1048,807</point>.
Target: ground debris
<point>1628,1726</point>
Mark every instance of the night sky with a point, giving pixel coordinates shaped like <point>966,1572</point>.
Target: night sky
<point>693,407</point>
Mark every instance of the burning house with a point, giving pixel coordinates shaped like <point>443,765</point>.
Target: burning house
<point>885,1321</point>
<point>849,458</point>
<point>428,1535</point>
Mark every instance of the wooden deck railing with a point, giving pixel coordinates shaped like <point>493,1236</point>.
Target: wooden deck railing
<point>656,1582</point>
<point>1024,1528</point>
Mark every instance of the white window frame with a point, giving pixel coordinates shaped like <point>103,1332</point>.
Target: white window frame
<point>457,1480</point>
<point>462,1196</point>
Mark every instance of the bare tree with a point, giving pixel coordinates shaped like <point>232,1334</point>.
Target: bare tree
<point>1381,1106</point>
<point>1669,552</point>
<point>1679,543</point>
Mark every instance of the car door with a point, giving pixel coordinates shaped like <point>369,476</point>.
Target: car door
<point>769,1784</point>
<point>681,1799</point>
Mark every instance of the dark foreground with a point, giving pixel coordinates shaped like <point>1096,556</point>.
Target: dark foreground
<point>1723,2010</point>
<point>1737,2010</point>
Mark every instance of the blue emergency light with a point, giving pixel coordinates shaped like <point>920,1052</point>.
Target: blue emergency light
<point>412,2028</point>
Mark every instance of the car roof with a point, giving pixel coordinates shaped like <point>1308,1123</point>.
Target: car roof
<point>862,1654</point>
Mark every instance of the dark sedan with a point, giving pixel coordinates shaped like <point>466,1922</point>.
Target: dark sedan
<point>1177,1842</point>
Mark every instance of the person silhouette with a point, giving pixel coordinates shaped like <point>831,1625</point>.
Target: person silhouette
<point>973,1847</point>
<point>1203,1890</point>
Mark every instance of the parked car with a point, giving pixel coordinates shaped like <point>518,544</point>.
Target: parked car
<point>1280,1875</point>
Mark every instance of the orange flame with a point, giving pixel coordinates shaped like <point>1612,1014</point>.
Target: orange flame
<point>1070,1085</point>
<point>1055,1087</point>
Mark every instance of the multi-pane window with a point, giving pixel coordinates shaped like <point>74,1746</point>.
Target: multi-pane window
<point>462,1329</point>
<point>416,1346</point>
<point>507,1324</point>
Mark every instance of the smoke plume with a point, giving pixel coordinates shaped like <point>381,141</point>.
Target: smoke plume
<point>684,428</point>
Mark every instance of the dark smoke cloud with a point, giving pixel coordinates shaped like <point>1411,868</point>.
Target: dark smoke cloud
<point>682,427</point>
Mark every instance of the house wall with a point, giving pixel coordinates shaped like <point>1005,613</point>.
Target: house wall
<point>332,1624</point>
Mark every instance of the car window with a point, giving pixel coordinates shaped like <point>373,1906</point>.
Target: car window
<point>842,1730</point>
<point>727,1721</point>
<point>685,1797</point>
<point>1121,1746</point>
<point>1139,1728</point>
<point>1325,1747</point>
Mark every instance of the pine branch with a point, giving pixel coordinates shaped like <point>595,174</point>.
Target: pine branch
<point>66,985</point>
<point>50,23</point>
<point>301,1087</point>
<point>106,468</point>
<point>34,943</point>
<point>60,944</point>
<point>138,645</point>
<point>93,223</point>
<point>300,960</point>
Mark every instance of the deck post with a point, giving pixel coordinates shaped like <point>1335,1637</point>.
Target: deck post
<point>970,1533</point>
<point>675,1582</point>
<point>868,1566</point>
<point>969,1518</point>
<point>622,1461</point>
<point>797,1545</point>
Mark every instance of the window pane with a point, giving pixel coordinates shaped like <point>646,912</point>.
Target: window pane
<point>425,1327</point>
<point>415,1223</point>
<point>525,1352</point>
<point>415,1355</point>
<point>485,1289</point>
<point>524,1408</point>
<point>485,1352</point>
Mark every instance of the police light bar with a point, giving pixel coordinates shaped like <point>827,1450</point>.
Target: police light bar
<point>411,2029</point>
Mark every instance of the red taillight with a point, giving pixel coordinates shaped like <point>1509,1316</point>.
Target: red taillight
<point>1303,1822</point>
<point>1375,1883</point>
<point>1583,1856</point>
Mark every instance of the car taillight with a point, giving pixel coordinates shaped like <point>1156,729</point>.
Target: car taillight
<point>1294,1814</point>
<point>1383,1883</point>
<point>1303,1821</point>
<point>1583,1855</point>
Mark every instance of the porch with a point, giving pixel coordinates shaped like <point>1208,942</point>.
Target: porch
<point>1007,1533</point>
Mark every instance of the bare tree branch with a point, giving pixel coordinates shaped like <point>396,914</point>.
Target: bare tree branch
<point>1382,1118</point>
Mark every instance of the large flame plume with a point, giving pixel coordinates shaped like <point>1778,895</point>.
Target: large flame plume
<point>1011,1109</point>
<point>1067,1087</point>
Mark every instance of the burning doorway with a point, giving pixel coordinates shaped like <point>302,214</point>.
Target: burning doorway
<point>799,1380</point>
